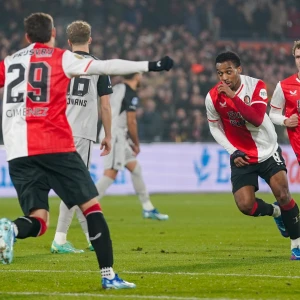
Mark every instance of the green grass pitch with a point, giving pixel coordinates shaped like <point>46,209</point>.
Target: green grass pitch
<point>207,250</point>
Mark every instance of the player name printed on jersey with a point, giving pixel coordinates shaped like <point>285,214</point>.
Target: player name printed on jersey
<point>258,142</point>
<point>35,81</point>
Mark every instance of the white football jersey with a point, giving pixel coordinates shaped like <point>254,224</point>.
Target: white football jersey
<point>82,100</point>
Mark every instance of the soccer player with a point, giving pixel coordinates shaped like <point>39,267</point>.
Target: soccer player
<point>82,114</point>
<point>236,111</point>
<point>285,104</point>
<point>39,143</point>
<point>124,102</point>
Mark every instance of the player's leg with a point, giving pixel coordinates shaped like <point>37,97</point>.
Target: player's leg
<point>244,185</point>
<point>275,176</point>
<point>32,189</point>
<point>112,162</point>
<point>149,211</point>
<point>72,182</point>
<point>60,244</point>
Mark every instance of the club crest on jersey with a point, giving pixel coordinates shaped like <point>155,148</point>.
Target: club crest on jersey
<point>247,100</point>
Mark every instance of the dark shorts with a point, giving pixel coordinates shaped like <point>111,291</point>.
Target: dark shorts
<point>34,176</point>
<point>249,174</point>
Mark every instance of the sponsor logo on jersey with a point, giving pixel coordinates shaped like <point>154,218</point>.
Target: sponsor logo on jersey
<point>293,93</point>
<point>135,101</point>
<point>224,104</point>
<point>263,94</point>
<point>247,100</point>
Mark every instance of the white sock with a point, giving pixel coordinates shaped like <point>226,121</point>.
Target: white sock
<point>140,188</point>
<point>82,220</point>
<point>16,231</point>
<point>87,237</point>
<point>60,238</point>
<point>64,220</point>
<point>102,185</point>
<point>295,243</point>
<point>277,211</point>
<point>108,273</point>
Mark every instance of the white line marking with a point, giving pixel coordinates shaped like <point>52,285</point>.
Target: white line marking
<point>110,296</point>
<point>156,273</point>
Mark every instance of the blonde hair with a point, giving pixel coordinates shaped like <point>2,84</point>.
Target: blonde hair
<point>296,46</point>
<point>79,32</point>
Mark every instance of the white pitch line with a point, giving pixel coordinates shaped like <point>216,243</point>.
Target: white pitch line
<point>156,273</point>
<point>109,296</point>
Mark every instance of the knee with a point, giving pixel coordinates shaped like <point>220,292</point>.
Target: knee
<point>245,206</point>
<point>283,196</point>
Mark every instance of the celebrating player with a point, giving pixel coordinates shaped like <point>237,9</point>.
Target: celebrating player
<point>286,98</point>
<point>123,104</point>
<point>39,143</point>
<point>82,114</point>
<point>236,111</point>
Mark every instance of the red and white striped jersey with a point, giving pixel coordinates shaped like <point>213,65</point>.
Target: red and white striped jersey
<point>35,81</point>
<point>286,99</point>
<point>259,143</point>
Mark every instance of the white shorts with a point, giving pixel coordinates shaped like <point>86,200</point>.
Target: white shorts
<point>121,154</point>
<point>84,149</point>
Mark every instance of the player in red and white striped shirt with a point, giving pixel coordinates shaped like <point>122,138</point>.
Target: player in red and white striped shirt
<point>285,104</point>
<point>236,111</point>
<point>39,142</point>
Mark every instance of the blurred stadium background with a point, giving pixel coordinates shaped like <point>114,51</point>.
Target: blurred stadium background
<point>172,103</point>
<point>207,249</point>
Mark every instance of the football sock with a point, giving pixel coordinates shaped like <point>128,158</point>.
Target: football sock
<point>261,208</point>
<point>82,220</point>
<point>64,220</point>
<point>140,187</point>
<point>102,185</point>
<point>108,273</point>
<point>29,227</point>
<point>290,217</point>
<point>99,236</point>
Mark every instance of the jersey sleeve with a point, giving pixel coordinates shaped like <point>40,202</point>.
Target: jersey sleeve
<point>130,102</point>
<point>212,114</point>
<point>74,64</point>
<point>278,99</point>
<point>260,94</point>
<point>2,73</point>
<point>104,86</point>
<point>277,106</point>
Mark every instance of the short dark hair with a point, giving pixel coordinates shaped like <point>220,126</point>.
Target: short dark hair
<point>228,56</point>
<point>129,76</point>
<point>38,27</point>
<point>79,32</point>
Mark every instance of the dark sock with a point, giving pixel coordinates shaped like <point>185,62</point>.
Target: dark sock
<point>290,217</point>
<point>27,227</point>
<point>261,208</point>
<point>99,236</point>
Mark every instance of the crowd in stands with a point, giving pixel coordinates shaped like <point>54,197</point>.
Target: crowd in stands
<point>192,32</point>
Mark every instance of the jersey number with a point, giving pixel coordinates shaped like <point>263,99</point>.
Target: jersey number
<point>38,77</point>
<point>80,86</point>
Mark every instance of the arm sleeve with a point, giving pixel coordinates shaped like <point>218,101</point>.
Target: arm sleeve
<point>2,73</point>
<point>255,112</point>
<point>216,127</point>
<point>130,102</point>
<point>277,106</point>
<point>104,86</point>
<point>76,65</point>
